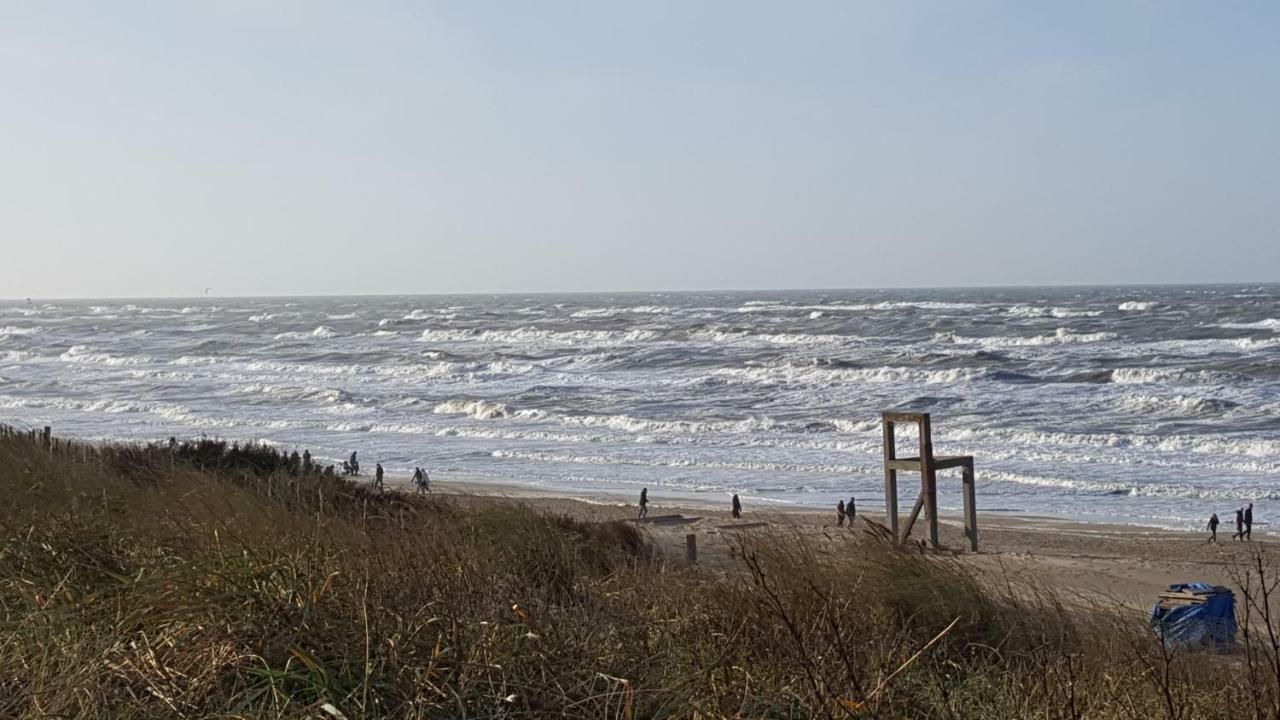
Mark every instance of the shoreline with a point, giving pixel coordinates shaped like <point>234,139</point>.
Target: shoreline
<point>469,484</point>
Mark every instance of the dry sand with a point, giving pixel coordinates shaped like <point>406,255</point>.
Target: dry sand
<point>1127,564</point>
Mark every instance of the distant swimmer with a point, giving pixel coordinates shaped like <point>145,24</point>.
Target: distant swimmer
<point>737,506</point>
<point>1248,522</point>
<point>1213,528</point>
<point>377,476</point>
<point>644,502</point>
<point>840,514</point>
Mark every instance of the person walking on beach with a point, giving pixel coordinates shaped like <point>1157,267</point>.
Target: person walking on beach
<point>1213,528</point>
<point>353,465</point>
<point>1248,522</point>
<point>840,514</point>
<point>1239,534</point>
<point>737,507</point>
<point>377,477</point>
<point>426,480</point>
<point>306,462</point>
<point>417,479</point>
<point>644,503</point>
<point>851,510</point>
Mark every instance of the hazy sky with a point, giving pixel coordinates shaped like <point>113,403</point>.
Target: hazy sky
<point>312,147</point>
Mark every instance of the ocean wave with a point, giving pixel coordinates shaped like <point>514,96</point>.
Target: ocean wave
<point>85,355</point>
<point>613,311</point>
<point>861,307</point>
<point>9,330</point>
<point>1271,324</point>
<point>483,410</point>
<point>677,462</point>
<point>1135,489</point>
<point>323,332</point>
<point>1136,306</point>
<point>1178,405</point>
<point>529,335</point>
<point>1036,311</point>
<point>1061,336</point>
<point>800,375</point>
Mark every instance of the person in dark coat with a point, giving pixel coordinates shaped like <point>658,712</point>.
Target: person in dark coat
<point>737,506</point>
<point>1213,528</point>
<point>306,462</point>
<point>1248,522</point>
<point>840,514</point>
<point>1239,534</point>
<point>851,510</point>
<point>377,476</point>
<point>644,502</point>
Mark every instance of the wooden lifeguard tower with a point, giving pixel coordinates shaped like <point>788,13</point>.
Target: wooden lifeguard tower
<point>928,465</point>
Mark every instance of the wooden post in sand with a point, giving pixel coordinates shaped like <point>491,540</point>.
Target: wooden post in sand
<point>691,548</point>
<point>928,465</point>
<point>890,481</point>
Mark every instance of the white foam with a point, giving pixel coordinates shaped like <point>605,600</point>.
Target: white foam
<point>1271,324</point>
<point>1035,311</point>
<point>1136,306</point>
<point>790,374</point>
<point>1061,336</point>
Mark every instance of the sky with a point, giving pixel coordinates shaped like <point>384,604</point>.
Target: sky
<point>310,147</point>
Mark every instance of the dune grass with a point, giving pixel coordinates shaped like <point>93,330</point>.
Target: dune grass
<point>210,580</point>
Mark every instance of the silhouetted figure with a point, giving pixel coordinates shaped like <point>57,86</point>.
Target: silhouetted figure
<point>840,513</point>
<point>306,462</point>
<point>173,443</point>
<point>354,464</point>
<point>328,470</point>
<point>377,476</point>
<point>737,506</point>
<point>426,479</point>
<point>851,510</point>
<point>295,463</point>
<point>644,502</point>
<point>1248,522</point>
<point>1239,534</point>
<point>1213,528</point>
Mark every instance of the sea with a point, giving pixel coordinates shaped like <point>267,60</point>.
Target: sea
<point>1139,405</point>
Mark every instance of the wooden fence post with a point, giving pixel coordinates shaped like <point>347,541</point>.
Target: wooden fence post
<point>691,548</point>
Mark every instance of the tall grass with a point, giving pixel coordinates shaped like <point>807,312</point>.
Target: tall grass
<point>157,582</point>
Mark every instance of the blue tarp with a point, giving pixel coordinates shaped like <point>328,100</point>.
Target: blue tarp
<point>1208,625</point>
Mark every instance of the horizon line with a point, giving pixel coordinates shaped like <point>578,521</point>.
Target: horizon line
<point>1024,286</point>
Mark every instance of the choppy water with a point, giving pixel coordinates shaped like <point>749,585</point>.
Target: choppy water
<point>1143,405</point>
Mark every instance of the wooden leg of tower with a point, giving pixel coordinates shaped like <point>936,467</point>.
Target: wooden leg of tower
<point>931,504</point>
<point>891,501</point>
<point>970,508</point>
<point>890,480</point>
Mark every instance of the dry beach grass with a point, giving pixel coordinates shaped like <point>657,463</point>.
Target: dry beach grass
<point>210,581</point>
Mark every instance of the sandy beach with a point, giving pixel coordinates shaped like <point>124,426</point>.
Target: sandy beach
<point>1106,562</point>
